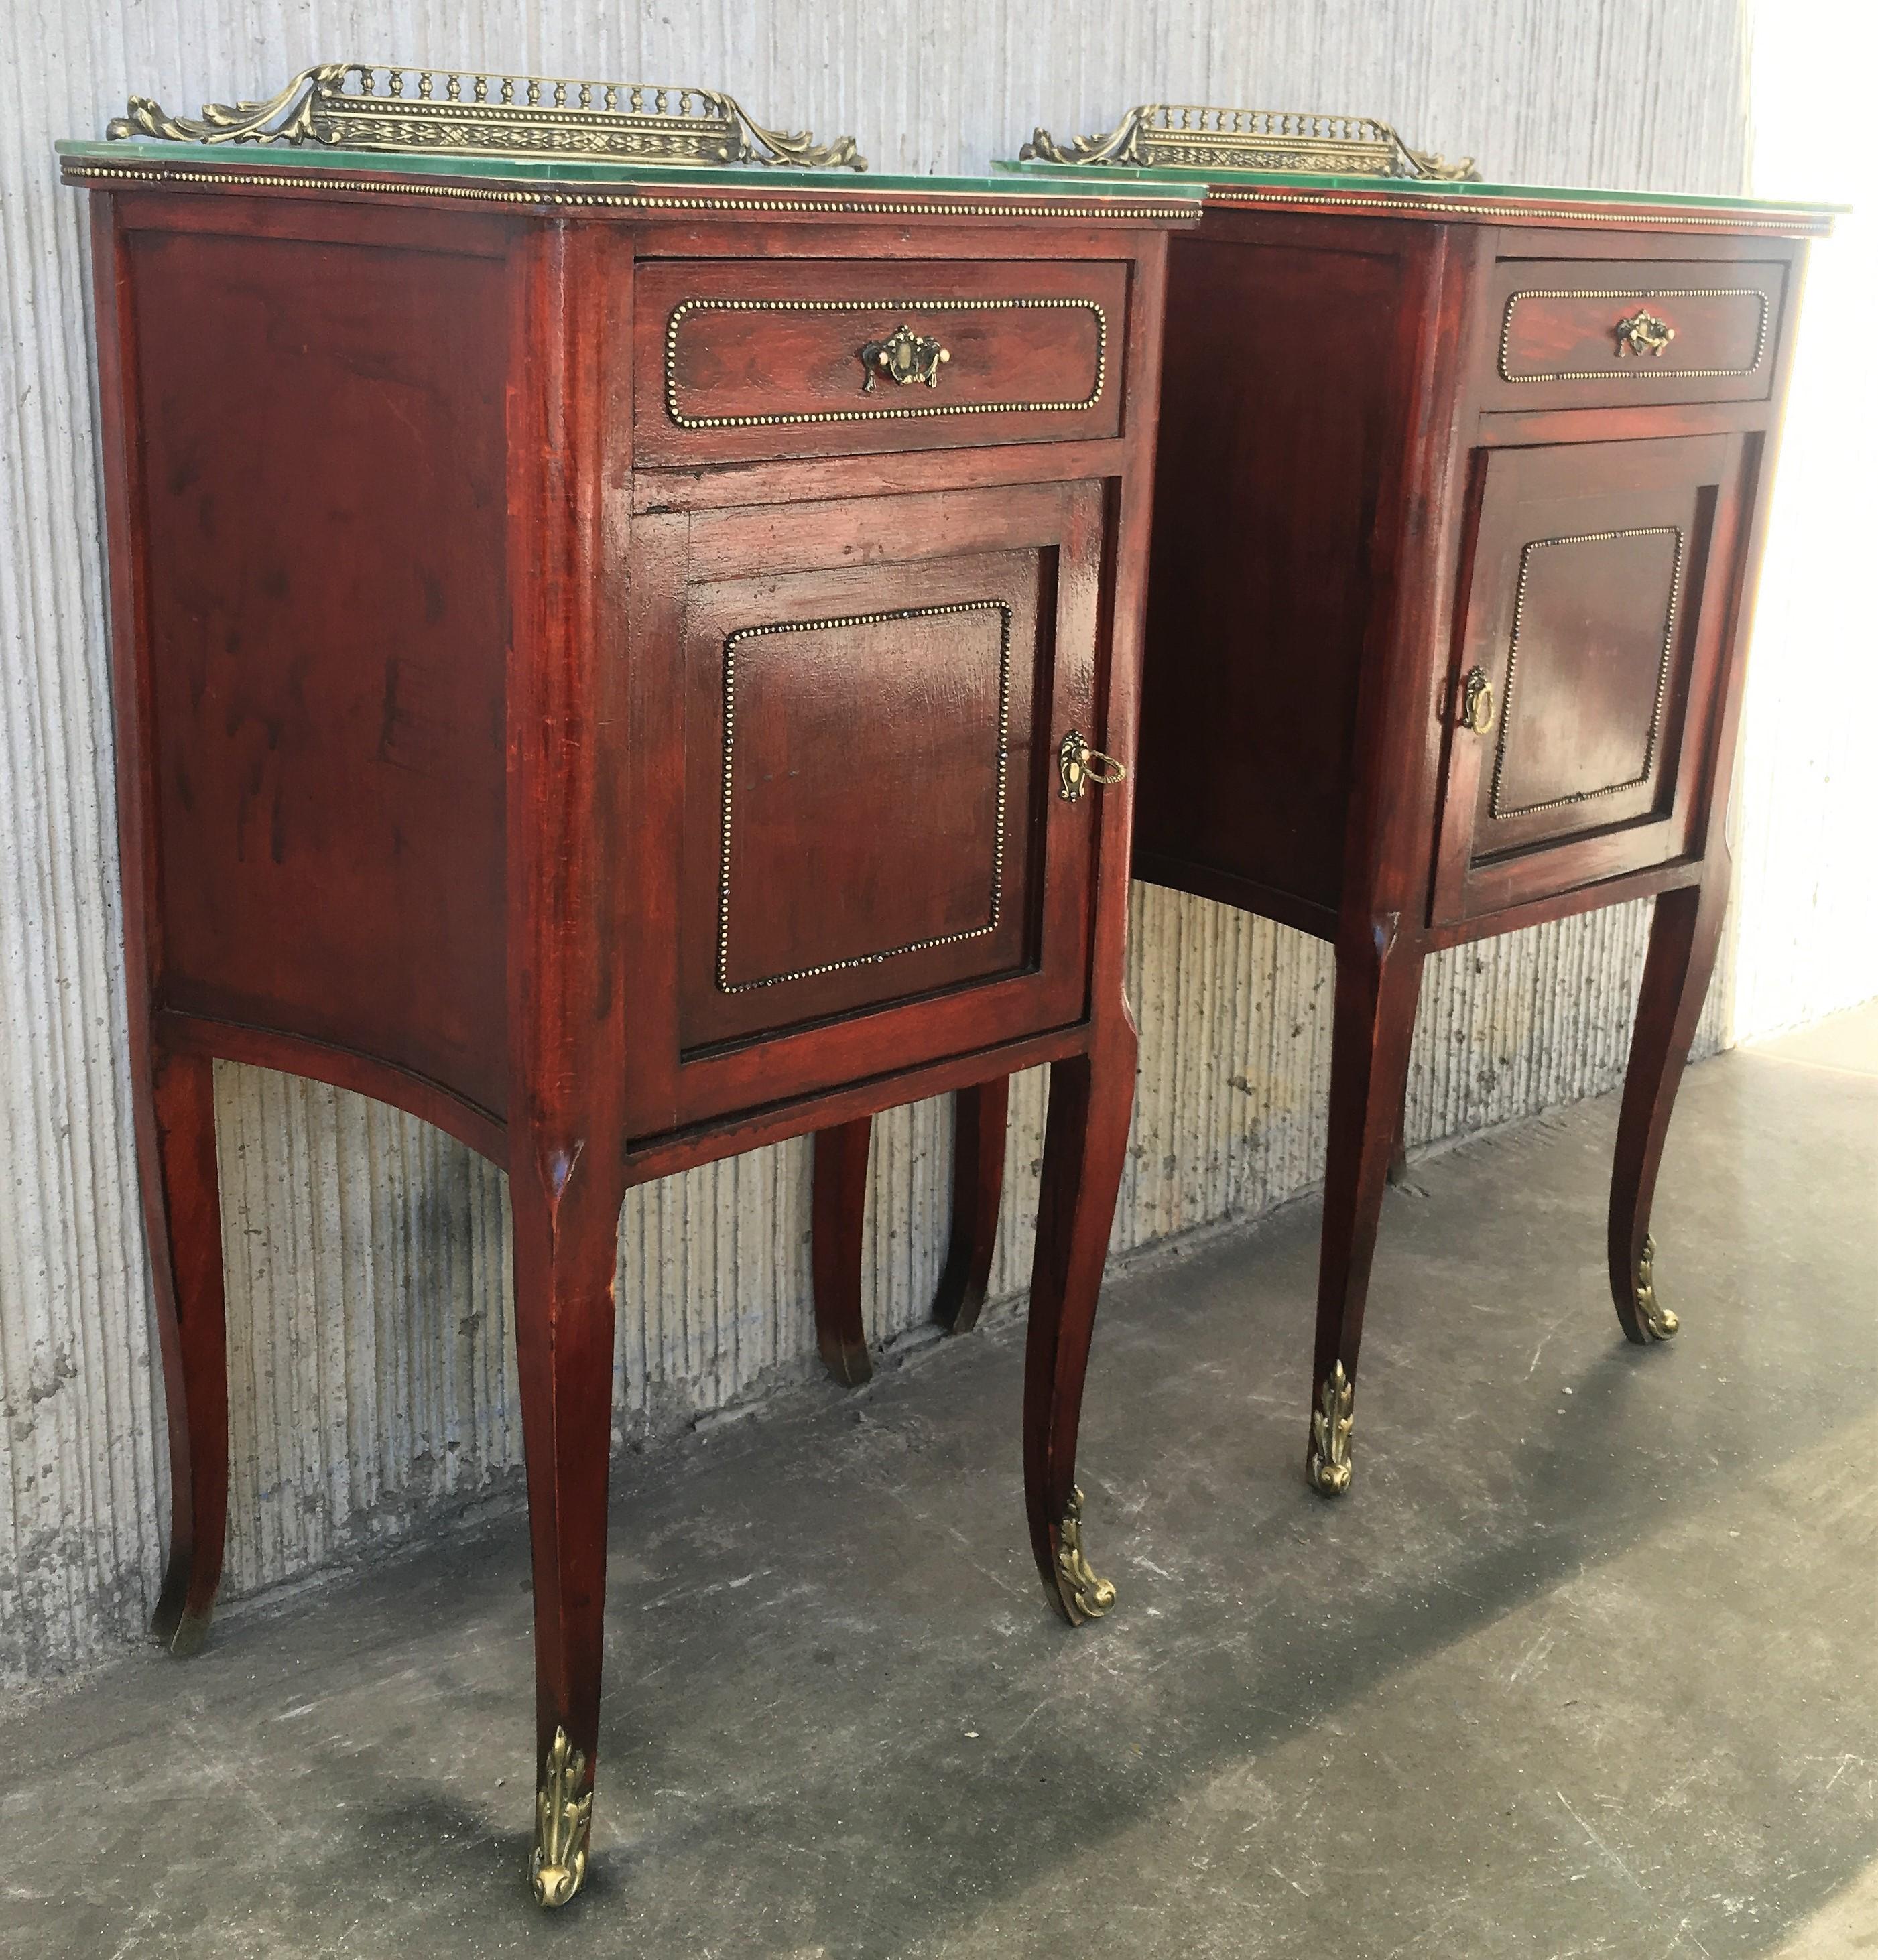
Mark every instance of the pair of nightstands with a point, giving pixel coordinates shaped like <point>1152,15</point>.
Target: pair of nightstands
<point>630,663</point>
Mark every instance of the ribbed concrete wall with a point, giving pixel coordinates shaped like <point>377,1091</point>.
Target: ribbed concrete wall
<point>371,1348</point>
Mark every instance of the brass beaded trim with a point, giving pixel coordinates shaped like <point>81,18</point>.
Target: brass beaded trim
<point>1641,370</point>
<point>1663,671</point>
<point>1480,207</point>
<point>679,312</point>
<point>725,984</point>
<point>1018,207</point>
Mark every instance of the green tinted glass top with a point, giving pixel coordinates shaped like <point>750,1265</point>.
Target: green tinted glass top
<point>745,178</point>
<point>1169,177</point>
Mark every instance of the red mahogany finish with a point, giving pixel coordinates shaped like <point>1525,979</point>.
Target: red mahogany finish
<point>723,349</point>
<point>513,725</point>
<point>1505,590</point>
<point>1453,556</point>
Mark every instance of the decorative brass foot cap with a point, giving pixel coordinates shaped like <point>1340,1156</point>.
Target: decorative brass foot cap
<point>1327,1463</point>
<point>1085,1596</point>
<point>562,1823</point>
<point>1658,1321</point>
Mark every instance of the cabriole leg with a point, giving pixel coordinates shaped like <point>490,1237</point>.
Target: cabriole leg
<point>838,1207</point>
<point>977,1183</point>
<point>565,1249</point>
<point>176,1124</point>
<point>840,1202</point>
<point>1085,1142</point>
<point>1399,1156</point>
<point>1377,983</point>
<point>1685,934</point>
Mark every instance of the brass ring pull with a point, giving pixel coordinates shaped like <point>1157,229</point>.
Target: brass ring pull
<point>1477,702</point>
<point>905,357</point>
<point>1078,766</point>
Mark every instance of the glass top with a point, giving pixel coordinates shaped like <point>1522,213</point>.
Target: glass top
<point>1120,186</point>
<point>1169,177</point>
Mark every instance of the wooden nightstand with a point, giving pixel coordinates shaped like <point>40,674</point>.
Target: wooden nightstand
<point>1457,515</point>
<point>618,662</point>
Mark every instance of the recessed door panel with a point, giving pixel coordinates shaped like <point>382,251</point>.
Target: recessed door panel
<point>1592,625</point>
<point>902,810</point>
<point>859,817</point>
<point>1588,669</point>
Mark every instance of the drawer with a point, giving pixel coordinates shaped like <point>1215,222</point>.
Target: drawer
<point>1583,332</point>
<point>738,361</point>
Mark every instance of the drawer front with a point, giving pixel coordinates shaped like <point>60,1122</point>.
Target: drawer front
<point>1624,332</point>
<point>737,362</point>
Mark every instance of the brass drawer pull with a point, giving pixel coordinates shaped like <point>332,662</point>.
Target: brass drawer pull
<point>1078,766</point>
<point>905,355</point>
<point>1477,702</point>
<point>1642,332</point>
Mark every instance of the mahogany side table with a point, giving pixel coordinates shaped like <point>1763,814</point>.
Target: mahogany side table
<point>628,664</point>
<point>1457,511</point>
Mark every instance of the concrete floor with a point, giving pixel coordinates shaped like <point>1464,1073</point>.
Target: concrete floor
<point>1584,1664</point>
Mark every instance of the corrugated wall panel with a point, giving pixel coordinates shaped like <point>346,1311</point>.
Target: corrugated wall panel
<point>371,1345</point>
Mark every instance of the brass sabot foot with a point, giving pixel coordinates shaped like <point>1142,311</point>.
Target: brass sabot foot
<point>1327,1463</point>
<point>1085,1596</point>
<point>563,1820</point>
<point>1657,1320</point>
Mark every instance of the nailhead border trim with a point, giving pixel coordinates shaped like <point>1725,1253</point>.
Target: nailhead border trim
<point>1018,207</point>
<point>1662,670</point>
<point>1640,370</point>
<point>1516,213</point>
<point>681,311</point>
<point>725,984</point>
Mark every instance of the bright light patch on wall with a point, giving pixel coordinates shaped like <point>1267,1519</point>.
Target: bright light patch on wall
<point>1806,922</point>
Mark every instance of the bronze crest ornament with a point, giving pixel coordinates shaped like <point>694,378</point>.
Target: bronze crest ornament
<point>1157,134</point>
<point>375,106</point>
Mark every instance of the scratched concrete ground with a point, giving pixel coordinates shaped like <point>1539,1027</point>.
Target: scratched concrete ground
<point>1585,1665</point>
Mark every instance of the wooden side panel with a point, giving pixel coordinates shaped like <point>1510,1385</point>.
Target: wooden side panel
<point>324,503</point>
<point>1282,423</point>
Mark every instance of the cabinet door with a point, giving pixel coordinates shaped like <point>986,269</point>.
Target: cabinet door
<point>1596,612</point>
<point>860,706</point>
